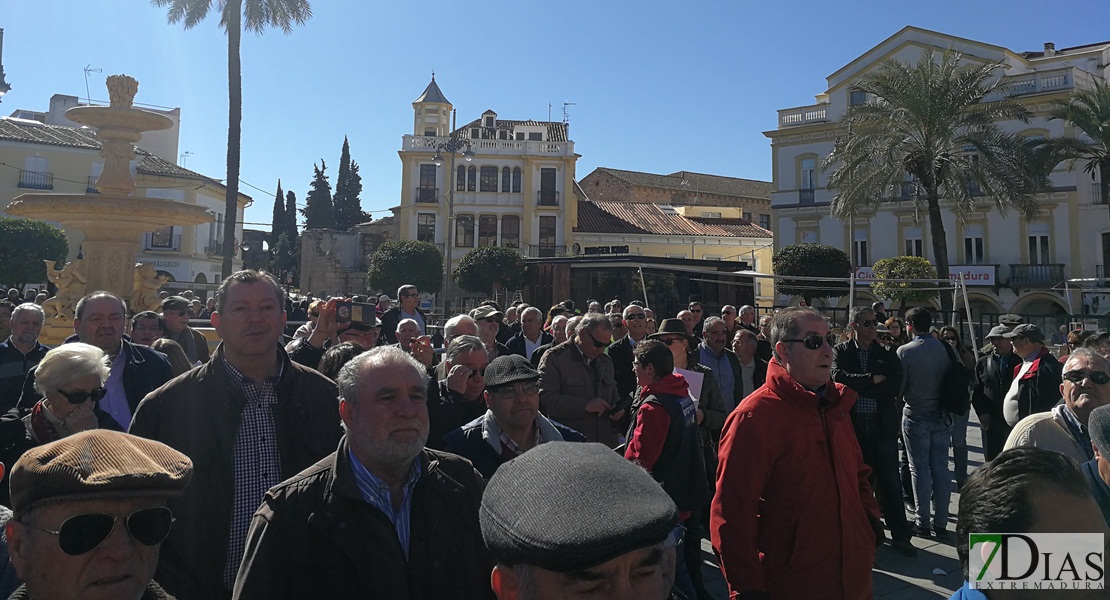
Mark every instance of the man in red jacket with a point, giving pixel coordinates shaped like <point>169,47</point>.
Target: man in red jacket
<point>794,515</point>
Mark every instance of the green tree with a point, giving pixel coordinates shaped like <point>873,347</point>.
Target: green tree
<point>811,260</point>
<point>24,244</point>
<point>317,211</point>
<point>932,122</point>
<point>236,15</point>
<point>284,260</point>
<point>1089,112</point>
<point>904,267</point>
<point>277,226</point>
<point>489,269</point>
<point>403,262</point>
<point>348,188</point>
<point>290,227</point>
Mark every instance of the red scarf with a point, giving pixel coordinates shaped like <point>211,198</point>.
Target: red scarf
<point>672,383</point>
<point>44,431</point>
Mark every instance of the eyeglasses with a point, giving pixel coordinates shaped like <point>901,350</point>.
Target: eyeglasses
<point>695,310</point>
<point>868,323</point>
<point>596,343</point>
<point>635,316</point>
<point>512,392</point>
<point>1097,377</point>
<point>672,341</point>
<point>477,373</point>
<point>814,342</point>
<point>81,395</point>
<point>84,533</point>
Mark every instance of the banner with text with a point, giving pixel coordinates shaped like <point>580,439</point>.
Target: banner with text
<point>982,275</point>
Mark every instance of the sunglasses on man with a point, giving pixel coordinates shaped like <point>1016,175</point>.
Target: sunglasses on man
<point>814,342</point>
<point>80,534</point>
<point>1096,377</point>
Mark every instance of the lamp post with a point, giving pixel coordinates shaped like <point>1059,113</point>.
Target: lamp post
<point>452,147</point>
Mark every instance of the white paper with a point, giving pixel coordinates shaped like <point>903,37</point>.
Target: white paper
<point>694,380</point>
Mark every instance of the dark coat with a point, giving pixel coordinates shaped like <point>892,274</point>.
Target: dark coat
<point>1039,388</point>
<point>447,411</point>
<point>198,414</point>
<point>316,537</point>
<point>153,592</point>
<point>1099,490</point>
<point>468,442</point>
<point>14,365</point>
<point>389,321</point>
<point>516,343</point>
<point>624,374</point>
<point>538,354</point>
<point>846,369</point>
<point>991,384</point>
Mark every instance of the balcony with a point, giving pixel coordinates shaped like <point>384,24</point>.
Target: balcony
<point>803,115</point>
<point>33,180</point>
<point>91,187</point>
<point>484,148</point>
<point>1036,276</point>
<point>214,249</point>
<point>547,198</point>
<point>1064,78</point>
<point>805,196</point>
<point>160,242</point>
<point>427,194</point>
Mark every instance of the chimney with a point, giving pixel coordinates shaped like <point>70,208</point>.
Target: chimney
<point>1049,49</point>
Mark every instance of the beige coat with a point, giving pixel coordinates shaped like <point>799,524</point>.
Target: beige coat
<point>567,384</point>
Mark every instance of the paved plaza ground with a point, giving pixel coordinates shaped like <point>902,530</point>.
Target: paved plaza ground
<point>896,576</point>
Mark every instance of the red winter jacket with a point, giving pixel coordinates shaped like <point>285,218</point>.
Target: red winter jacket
<point>794,515</point>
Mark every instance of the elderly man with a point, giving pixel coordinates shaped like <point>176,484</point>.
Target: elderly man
<point>412,341</point>
<point>713,352</point>
<point>875,373</point>
<point>136,370</point>
<point>408,307</point>
<point>789,462</point>
<point>175,316</point>
<point>620,351</point>
<point>382,516</point>
<point>689,320</point>
<point>748,318</point>
<point>251,417</point>
<point>457,399</point>
<point>559,328</point>
<point>6,308</point>
<point>458,325</point>
<point>488,319</point>
<point>1036,384</point>
<point>531,335</point>
<point>753,369</point>
<point>512,424</point>
<point>147,327</point>
<point>589,544</point>
<point>993,374</point>
<point>1085,387</point>
<point>577,387</point>
<point>90,515</point>
<point>20,352</point>
<point>1097,469</point>
<point>729,314</point>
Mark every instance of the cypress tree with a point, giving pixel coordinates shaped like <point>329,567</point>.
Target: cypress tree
<point>348,186</point>
<point>317,209</point>
<point>277,224</point>
<point>290,218</point>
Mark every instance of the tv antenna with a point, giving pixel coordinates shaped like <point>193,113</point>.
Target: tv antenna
<point>566,115</point>
<point>89,69</point>
<point>185,156</point>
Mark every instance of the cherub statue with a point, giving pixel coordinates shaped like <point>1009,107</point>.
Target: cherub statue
<point>144,291</point>
<point>71,281</point>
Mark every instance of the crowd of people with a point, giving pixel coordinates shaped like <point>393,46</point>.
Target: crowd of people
<point>522,452</point>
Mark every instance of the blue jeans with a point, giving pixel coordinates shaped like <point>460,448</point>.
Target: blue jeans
<point>927,439</point>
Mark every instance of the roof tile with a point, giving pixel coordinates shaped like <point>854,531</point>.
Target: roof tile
<point>651,219</point>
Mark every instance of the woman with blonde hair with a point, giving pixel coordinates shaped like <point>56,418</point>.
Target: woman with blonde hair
<point>173,351</point>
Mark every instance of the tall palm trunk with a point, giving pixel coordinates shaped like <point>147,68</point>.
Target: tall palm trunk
<point>234,133</point>
<point>940,249</point>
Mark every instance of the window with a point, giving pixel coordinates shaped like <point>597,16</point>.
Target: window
<point>464,231</point>
<point>427,191</point>
<point>765,221</point>
<point>859,248</point>
<point>1038,244</point>
<point>510,231</point>
<point>487,230</point>
<point>506,179</point>
<point>502,135</point>
<point>808,181</point>
<point>973,245</point>
<point>711,215</point>
<point>487,121</point>
<point>460,179</point>
<point>475,133</point>
<point>535,136</point>
<point>516,180</point>
<point>912,236</point>
<point>520,135</point>
<point>162,239</point>
<point>857,97</point>
<point>471,179</point>
<point>747,216</point>
<point>547,236</point>
<point>488,182</point>
<point>431,132</point>
<point>548,195</point>
<point>426,227</point>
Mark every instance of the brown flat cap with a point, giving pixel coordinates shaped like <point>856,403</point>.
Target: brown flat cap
<point>176,303</point>
<point>97,464</point>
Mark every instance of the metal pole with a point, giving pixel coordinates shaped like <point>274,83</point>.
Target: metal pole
<point>448,249</point>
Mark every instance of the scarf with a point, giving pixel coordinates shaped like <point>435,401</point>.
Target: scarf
<point>44,425</point>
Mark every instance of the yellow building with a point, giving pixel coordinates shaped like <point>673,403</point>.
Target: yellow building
<point>513,188</point>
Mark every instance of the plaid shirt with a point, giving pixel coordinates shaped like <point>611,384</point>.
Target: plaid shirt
<point>256,458</point>
<point>865,406</point>
<point>376,493</point>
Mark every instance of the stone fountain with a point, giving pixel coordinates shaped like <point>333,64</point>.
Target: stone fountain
<point>112,221</point>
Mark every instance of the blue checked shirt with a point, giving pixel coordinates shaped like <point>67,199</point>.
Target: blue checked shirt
<point>376,493</point>
<point>256,458</point>
<point>864,405</point>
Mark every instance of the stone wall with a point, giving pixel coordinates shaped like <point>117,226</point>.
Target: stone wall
<point>331,262</point>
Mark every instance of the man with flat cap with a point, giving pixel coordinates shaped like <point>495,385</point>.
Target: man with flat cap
<point>175,320</point>
<point>557,521</point>
<point>90,516</point>
<point>512,424</point>
<point>993,372</point>
<point>1036,384</point>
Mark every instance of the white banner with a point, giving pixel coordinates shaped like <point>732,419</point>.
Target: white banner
<point>982,275</point>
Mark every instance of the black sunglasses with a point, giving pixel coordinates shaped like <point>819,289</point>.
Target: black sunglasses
<point>1097,377</point>
<point>84,533</point>
<point>80,396</point>
<point>477,373</point>
<point>813,342</point>
<point>672,341</point>
<point>868,323</point>
<point>635,316</point>
<point>596,343</point>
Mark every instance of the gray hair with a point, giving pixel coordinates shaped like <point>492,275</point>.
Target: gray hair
<point>747,308</point>
<point>859,311</point>
<point>463,343</point>
<point>453,324</point>
<point>28,307</point>
<point>80,309</point>
<point>531,310</point>
<point>591,321</point>
<point>391,356</point>
<point>1088,354</point>
<point>70,362</point>
<point>710,322</point>
<point>572,325</point>
<point>787,324</point>
<point>403,321</point>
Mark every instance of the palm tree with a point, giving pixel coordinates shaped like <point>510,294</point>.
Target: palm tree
<point>1089,112</point>
<point>931,126</point>
<point>235,15</point>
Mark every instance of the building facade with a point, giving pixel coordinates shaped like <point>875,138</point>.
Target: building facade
<point>1012,265</point>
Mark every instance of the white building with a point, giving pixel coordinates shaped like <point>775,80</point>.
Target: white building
<point>1017,266</point>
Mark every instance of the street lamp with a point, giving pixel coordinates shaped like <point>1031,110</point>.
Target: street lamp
<point>452,147</point>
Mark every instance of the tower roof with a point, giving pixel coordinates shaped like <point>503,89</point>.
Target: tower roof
<point>432,93</point>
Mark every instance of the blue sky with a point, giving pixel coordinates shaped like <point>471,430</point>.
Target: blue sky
<point>656,86</point>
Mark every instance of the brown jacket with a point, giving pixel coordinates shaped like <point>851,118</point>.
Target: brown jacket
<point>567,384</point>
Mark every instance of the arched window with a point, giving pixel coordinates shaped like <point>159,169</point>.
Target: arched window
<point>471,179</point>
<point>506,179</point>
<point>516,180</point>
<point>464,231</point>
<point>460,179</point>
<point>510,231</point>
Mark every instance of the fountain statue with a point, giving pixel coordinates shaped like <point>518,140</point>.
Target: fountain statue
<point>112,221</point>
<point>144,290</point>
<point>72,281</point>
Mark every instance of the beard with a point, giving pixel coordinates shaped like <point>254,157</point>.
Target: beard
<point>390,451</point>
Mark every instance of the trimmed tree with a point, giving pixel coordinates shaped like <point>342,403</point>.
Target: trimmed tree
<point>489,269</point>
<point>811,260</point>
<point>24,244</point>
<point>348,187</point>
<point>290,227</point>
<point>904,267</point>
<point>317,211</point>
<point>402,262</point>
<point>277,223</point>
